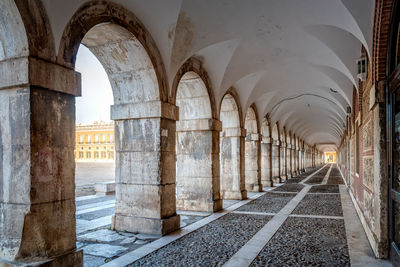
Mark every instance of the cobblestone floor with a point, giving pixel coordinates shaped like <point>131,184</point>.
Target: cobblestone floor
<point>306,242</point>
<point>305,237</point>
<point>320,204</point>
<point>289,187</point>
<point>270,202</point>
<point>324,189</point>
<point>211,245</point>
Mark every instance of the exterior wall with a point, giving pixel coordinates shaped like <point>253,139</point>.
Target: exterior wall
<point>367,181</point>
<point>94,143</point>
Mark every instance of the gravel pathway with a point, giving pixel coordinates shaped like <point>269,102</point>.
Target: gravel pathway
<point>320,204</point>
<point>270,202</point>
<point>211,245</point>
<point>324,189</point>
<point>306,242</point>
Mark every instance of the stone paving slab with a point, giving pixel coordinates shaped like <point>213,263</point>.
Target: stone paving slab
<point>94,200</point>
<point>289,188</point>
<point>270,202</point>
<point>324,189</point>
<point>96,214</point>
<point>103,250</point>
<point>320,204</point>
<point>306,242</point>
<point>210,245</point>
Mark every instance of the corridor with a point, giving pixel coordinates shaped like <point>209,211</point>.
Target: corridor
<point>308,221</point>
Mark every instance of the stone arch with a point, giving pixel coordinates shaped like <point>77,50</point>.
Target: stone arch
<point>197,141</point>
<point>195,65</point>
<point>231,148</point>
<point>275,153</point>
<point>96,15</point>
<point>252,150</point>
<point>144,121</point>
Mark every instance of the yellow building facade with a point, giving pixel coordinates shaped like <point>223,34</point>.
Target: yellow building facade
<point>95,142</point>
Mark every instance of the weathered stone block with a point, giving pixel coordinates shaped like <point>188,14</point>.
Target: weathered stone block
<point>144,200</point>
<point>152,226</point>
<point>145,168</point>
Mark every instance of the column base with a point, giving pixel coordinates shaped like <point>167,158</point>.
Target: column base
<point>234,195</point>
<point>254,188</point>
<point>198,205</point>
<point>277,179</point>
<point>74,258</point>
<point>268,183</point>
<point>145,225</point>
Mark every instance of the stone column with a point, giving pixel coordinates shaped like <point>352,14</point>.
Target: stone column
<point>232,163</point>
<point>252,163</point>
<point>283,161</point>
<point>197,159</point>
<point>276,161</point>
<point>298,157</point>
<point>293,160</point>
<point>266,170</point>
<point>288,161</point>
<point>145,167</point>
<point>37,139</point>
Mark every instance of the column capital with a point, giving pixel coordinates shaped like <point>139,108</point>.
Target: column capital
<point>144,110</point>
<point>30,71</point>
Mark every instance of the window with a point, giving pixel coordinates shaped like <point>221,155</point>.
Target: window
<point>89,148</point>
<point>81,139</point>
<point>96,155</point>
<point>103,154</point>
<point>88,155</point>
<point>97,148</point>
<point>81,147</point>
<point>111,155</point>
<point>104,138</point>
<point>111,138</point>
<point>89,138</point>
<point>96,138</point>
<point>81,155</point>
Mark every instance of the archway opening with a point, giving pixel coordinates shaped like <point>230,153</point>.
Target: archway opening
<point>197,185</point>
<point>231,155</point>
<point>132,139</point>
<point>94,131</point>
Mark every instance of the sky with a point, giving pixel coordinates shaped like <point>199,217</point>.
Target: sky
<point>97,97</point>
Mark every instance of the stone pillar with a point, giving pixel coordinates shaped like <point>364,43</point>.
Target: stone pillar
<point>37,187</point>
<point>298,155</point>
<point>232,163</point>
<point>283,161</point>
<point>197,159</point>
<point>145,167</point>
<point>252,163</point>
<point>266,170</point>
<point>293,160</point>
<point>288,161</point>
<point>275,152</point>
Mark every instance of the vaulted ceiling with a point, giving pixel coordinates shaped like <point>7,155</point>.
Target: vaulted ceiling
<point>296,60</point>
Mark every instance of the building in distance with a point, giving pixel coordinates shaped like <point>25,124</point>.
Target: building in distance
<point>95,142</point>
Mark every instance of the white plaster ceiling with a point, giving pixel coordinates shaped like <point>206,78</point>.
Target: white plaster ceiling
<point>270,51</point>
